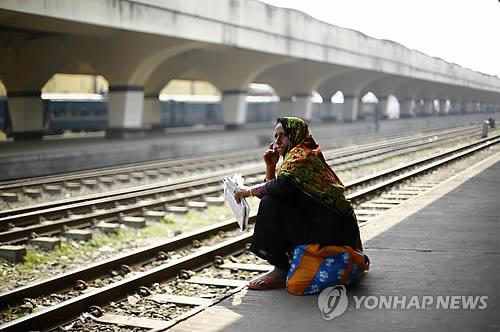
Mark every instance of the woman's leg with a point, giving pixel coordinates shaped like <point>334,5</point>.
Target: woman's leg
<point>270,240</point>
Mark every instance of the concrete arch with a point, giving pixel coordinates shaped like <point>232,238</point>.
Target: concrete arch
<point>461,100</point>
<point>229,69</point>
<point>72,55</point>
<point>295,83</point>
<point>126,44</point>
<point>299,76</point>
<point>145,69</point>
<point>244,68</point>
<point>384,88</point>
<point>427,93</point>
<point>409,100</point>
<point>25,75</point>
<point>351,84</point>
<point>179,66</point>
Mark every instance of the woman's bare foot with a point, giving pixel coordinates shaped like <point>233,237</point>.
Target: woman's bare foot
<point>272,280</point>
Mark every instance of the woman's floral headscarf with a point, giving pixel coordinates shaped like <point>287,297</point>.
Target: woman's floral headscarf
<point>305,165</point>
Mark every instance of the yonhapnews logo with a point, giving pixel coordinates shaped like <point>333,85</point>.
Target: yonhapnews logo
<point>333,302</point>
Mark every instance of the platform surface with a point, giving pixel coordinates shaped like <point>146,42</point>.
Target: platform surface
<point>443,243</point>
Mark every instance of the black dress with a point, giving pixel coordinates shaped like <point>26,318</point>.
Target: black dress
<point>288,217</point>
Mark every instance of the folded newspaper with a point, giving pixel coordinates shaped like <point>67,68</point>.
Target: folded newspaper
<point>242,210</point>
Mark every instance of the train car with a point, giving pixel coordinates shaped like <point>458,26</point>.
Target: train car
<point>75,112</point>
<point>179,111</point>
<point>192,110</point>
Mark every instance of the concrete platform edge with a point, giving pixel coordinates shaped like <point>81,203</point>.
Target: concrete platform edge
<point>384,221</point>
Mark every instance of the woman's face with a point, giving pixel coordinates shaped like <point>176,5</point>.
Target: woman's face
<point>280,140</point>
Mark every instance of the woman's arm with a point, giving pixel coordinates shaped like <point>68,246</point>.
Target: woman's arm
<point>271,157</point>
<point>281,185</point>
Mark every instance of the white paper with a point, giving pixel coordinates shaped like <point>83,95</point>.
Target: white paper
<point>242,210</point>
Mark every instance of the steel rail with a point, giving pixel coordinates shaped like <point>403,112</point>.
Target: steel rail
<point>420,161</point>
<point>63,311</point>
<point>339,154</point>
<point>97,270</point>
<point>237,155</point>
<point>66,280</point>
<point>459,153</point>
<point>112,212</point>
<point>134,166</point>
<point>71,308</point>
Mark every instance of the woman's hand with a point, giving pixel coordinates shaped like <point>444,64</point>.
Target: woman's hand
<point>241,192</point>
<point>271,156</point>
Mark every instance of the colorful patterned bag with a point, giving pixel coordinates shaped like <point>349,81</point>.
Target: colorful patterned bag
<point>315,268</point>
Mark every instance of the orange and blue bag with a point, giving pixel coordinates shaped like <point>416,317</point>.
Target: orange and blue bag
<point>315,267</point>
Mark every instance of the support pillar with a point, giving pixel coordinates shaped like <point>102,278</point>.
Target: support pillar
<point>469,107</point>
<point>303,106</point>
<point>418,107</point>
<point>477,107</point>
<point>286,107</point>
<point>463,107</point>
<point>443,107</point>
<point>383,102</point>
<point>125,109</point>
<point>455,107</point>
<point>489,107</point>
<point>407,108</point>
<point>234,108</point>
<point>299,106</point>
<point>327,110</point>
<point>351,108</point>
<point>152,116</point>
<point>26,114</point>
<point>484,106</point>
<point>428,107</point>
<point>494,107</point>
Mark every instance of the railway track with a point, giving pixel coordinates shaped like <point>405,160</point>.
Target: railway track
<point>79,186</point>
<point>194,191</point>
<point>252,154</point>
<point>379,192</point>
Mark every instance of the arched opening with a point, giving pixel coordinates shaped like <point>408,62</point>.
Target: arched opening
<point>393,107</point>
<point>190,102</point>
<point>443,106</point>
<point>337,101</point>
<point>368,106</point>
<point>187,102</point>
<point>75,84</point>
<point>383,108</point>
<point>317,109</point>
<point>262,103</point>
